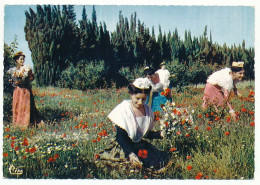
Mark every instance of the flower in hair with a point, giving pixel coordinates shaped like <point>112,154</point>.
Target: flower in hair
<point>142,83</point>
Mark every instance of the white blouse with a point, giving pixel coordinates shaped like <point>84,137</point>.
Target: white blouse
<point>164,76</point>
<point>222,78</point>
<point>136,127</point>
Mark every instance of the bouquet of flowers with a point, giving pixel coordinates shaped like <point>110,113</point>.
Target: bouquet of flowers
<point>166,93</point>
<point>18,76</point>
<point>175,121</point>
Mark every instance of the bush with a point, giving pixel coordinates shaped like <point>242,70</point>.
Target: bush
<point>131,75</point>
<point>85,75</point>
<point>194,73</point>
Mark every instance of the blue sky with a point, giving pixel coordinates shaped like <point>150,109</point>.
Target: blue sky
<point>228,24</point>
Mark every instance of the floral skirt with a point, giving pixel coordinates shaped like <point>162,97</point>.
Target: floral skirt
<point>112,160</point>
<point>213,96</point>
<point>24,110</point>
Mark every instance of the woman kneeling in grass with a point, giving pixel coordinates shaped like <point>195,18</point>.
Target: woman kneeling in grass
<point>134,121</point>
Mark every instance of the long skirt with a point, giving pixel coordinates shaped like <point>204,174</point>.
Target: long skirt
<point>113,161</point>
<point>24,110</point>
<point>213,95</point>
<point>157,100</point>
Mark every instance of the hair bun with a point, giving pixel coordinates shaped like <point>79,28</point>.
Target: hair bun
<point>18,54</point>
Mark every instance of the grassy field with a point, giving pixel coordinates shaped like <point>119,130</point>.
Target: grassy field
<point>76,128</point>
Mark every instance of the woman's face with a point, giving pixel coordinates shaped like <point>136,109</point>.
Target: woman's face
<point>163,67</point>
<point>20,61</point>
<point>238,76</point>
<point>138,100</point>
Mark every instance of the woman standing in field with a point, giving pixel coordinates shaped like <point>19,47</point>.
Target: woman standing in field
<point>219,86</point>
<point>134,121</point>
<point>161,93</point>
<point>24,110</point>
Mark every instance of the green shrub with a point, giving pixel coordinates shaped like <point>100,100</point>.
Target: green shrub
<point>85,75</point>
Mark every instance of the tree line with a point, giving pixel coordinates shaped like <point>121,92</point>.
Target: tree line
<point>67,52</point>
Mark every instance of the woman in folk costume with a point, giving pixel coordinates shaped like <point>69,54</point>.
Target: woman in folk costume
<point>24,110</point>
<point>161,92</point>
<point>133,120</point>
<point>164,75</point>
<point>219,86</point>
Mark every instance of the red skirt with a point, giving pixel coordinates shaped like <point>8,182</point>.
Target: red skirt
<point>213,95</point>
<point>24,110</point>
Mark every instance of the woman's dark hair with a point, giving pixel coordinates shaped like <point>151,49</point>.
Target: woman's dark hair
<point>17,55</point>
<point>135,90</point>
<point>236,69</point>
<point>149,71</point>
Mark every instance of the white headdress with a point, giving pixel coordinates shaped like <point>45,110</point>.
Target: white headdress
<point>238,64</point>
<point>142,83</point>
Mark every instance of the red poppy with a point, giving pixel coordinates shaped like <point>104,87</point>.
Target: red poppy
<point>228,119</point>
<point>7,136</point>
<point>50,160</point>
<point>13,138</point>
<point>12,144</point>
<point>252,124</point>
<point>98,138</point>
<point>208,128</point>
<point>215,170</point>
<point>212,113</point>
<point>188,157</point>
<point>105,133</point>
<point>32,150</point>
<point>97,156</point>
<point>217,118</point>
<point>173,149</point>
<point>24,157</point>
<point>7,129</point>
<point>166,123</point>
<point>5,154</point>
<point>207,115</point>
<point>187,135</point>
<point>64,135</point>
<point>178,133</point>
<point>189,167</point>
<point>196,128</point>
<point>251,112</point>
<point>198,177</point>
<point>16,148</point>
<point>94,140</point>
<point>56,156</point>
<point>199,115</point>
<point>142,153</point>
<point>243,110</point>
<point>227,133</point>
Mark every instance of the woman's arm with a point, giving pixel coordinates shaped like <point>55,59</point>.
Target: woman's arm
<point>154,135</point>
<point>124,141</point>
<point>30,76</point>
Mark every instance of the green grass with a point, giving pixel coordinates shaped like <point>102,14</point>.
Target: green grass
<point>75,121</point>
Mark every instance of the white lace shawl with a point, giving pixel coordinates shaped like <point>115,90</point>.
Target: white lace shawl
<point>123,116</point>
<point>222,78</point>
